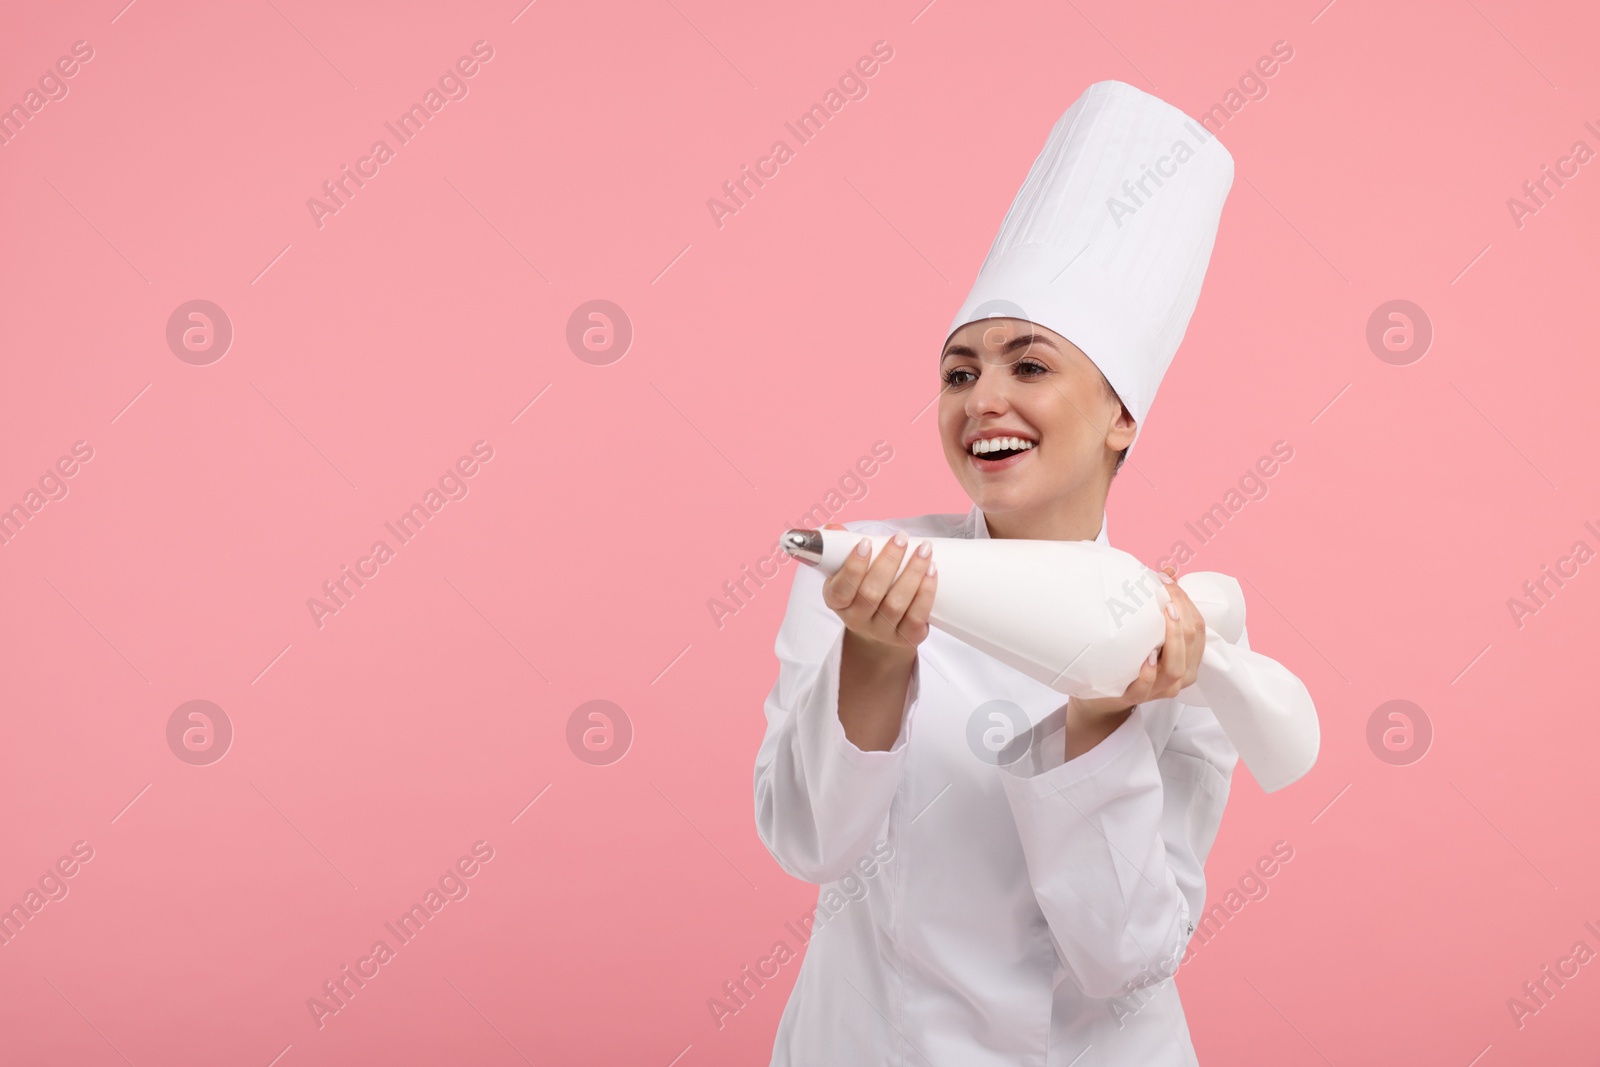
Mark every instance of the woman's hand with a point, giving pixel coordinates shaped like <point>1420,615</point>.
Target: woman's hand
<point>886,616</point>
<point>1170,668</point>
<point>885,619</point>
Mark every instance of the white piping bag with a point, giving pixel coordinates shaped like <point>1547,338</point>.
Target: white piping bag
<point>1081,617</point>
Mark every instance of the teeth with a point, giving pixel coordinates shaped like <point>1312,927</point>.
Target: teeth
<point>996,444</point>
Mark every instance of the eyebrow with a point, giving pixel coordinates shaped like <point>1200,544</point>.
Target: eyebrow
<point>1020,341</point>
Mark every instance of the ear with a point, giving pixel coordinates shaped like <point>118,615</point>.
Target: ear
<point>1120,434</point>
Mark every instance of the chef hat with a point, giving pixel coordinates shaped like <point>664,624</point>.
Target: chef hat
<point>1108,240</point>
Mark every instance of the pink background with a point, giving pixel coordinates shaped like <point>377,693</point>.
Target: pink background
<point>768,355</point>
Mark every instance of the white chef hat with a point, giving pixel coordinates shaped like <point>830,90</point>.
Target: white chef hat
<point>1108,240</point>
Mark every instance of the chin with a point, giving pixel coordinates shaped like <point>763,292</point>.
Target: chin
<point>1001,498</point>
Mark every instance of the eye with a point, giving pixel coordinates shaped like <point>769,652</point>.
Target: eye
<point>1025,367</point>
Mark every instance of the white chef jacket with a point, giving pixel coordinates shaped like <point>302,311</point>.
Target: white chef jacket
<point>1030,913</point>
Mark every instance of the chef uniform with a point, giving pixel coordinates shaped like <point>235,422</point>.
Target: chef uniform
<point>1019,908</point>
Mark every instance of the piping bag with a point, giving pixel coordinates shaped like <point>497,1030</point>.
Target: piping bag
<point>1082,617</point>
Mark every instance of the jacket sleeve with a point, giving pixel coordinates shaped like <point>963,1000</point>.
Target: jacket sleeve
<point>1116,841</point>
<point>820,800</point>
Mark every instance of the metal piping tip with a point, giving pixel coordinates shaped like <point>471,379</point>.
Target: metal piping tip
<point>804,545</point>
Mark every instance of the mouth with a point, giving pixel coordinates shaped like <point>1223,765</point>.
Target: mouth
<point>999,453</point>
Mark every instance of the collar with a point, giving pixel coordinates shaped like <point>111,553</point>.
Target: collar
<point>978,526</point>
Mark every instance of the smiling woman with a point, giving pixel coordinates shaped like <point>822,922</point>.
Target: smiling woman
<point>1027,897</point>
<point>1031,428</point>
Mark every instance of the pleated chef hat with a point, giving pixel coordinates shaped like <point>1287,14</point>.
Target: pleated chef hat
<point>1108,240</point>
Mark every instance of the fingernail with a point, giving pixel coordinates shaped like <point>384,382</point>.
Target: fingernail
<point>933,568</point>
<point>1154,654</point>
<point>923,549</point>
<point>1166,579</point>
<point>900,538</point>
<point>1172,609</point>
<point>864,547</point>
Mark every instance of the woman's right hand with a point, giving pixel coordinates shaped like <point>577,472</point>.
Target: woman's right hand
<point>888,616</point>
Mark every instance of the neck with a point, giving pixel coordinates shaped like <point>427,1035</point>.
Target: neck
<point>1077,519</point>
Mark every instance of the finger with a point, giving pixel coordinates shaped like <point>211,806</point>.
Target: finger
<point>1194,633</point>
<point>901,589</point>
<point>1193,621</point>
<point>914,624</point>
<point>904,589</point>
<point>1173,661</point>
<point>1138,690</point>
<point>1196,638</point>
<point>833,584</point>
<point>880,575</point>
<point>842,587</point>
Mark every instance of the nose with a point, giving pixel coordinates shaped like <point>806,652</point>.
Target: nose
<point>988,394</point>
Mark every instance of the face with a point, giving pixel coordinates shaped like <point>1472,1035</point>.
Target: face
<point>1013,378</point>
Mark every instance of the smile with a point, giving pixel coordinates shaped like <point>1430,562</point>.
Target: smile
<point>999,453</point>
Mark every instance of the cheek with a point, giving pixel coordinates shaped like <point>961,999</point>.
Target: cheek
<point>1070,416</point>
<point>1053,417</point>
<point>950,423</point>
<point>1069,437</point>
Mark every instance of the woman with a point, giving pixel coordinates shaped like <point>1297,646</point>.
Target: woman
<point>984,907</point>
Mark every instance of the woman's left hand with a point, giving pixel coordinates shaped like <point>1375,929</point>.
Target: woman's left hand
<point>1168,669</point>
